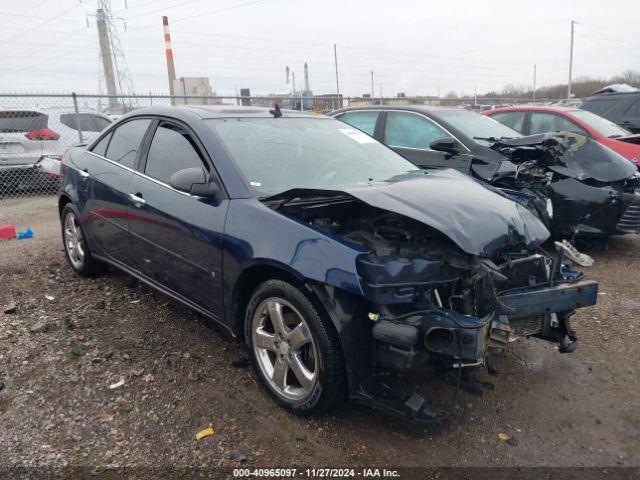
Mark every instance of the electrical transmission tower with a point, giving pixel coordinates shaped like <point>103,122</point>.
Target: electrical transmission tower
<point>115,71</point>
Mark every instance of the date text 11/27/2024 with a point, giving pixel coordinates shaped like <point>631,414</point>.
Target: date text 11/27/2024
<point>316,473</point>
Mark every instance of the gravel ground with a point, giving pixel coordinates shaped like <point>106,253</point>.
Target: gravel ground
<point>70,340</point>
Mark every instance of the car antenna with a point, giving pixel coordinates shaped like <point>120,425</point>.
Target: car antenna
<point>276,112</point>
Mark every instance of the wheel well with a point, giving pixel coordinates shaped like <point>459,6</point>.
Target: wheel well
<point>246,284</point>
<point>64,199</point>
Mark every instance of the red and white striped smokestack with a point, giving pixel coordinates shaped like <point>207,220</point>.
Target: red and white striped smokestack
<point>169,52</point>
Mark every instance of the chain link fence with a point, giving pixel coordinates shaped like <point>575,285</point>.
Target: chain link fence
<point>36,129</point>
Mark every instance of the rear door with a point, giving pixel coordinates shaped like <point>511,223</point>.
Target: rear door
<point>410,134</point>
<point>177,237</point>
<point>104,176</point>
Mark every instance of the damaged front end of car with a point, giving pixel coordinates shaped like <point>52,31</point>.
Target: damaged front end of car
<point>450,273</point>
<point>577,186</point>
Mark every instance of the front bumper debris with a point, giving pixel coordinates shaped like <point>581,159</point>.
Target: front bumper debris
<point>538,302</point>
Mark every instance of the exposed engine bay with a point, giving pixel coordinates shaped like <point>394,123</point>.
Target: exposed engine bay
<point>574,184</point>
<point>429,301</point>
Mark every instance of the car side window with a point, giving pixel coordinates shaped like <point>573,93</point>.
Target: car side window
<point>101,147</point>
<point>599,105</point>
<point>126,140</point>
<point>542,122</point>
<point>87,122</point>
<point>411,130</point>
<point>365,121</point>
<point>514,120</point>
<point>172,149</point>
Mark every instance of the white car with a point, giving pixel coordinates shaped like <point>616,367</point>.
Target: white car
<point>32,142</point>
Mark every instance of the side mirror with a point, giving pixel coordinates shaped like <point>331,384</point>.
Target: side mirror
<point>194,181</point>
<point>445,144</point>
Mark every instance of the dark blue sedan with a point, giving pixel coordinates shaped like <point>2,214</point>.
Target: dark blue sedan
<point>330,255</point>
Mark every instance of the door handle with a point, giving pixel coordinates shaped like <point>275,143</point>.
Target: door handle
<point>84,173</point>
<point>137,200</point>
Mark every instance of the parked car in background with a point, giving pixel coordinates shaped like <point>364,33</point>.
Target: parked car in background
<point>578,187</point>
<point>32,142</point>
<point>622,108</point>
<point>531,120</point>
<point>331,256</point>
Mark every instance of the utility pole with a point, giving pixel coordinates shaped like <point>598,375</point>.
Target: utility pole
<point>570,61</point>
<point>373,94</point>
<point>107,58</point>
<point>293,83</point>
<point>534,82</point>
<point>475,96</point>
<point>335,59</point>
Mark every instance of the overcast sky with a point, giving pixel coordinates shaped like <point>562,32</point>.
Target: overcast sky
<point>417,47</point>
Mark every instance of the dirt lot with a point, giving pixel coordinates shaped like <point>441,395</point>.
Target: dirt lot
<point>69,339</point>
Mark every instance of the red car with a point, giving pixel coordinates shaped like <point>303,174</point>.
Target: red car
<point>530,120</point>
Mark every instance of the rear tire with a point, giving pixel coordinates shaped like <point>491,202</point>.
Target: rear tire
<point>294,351</point>
<point>75,243</point>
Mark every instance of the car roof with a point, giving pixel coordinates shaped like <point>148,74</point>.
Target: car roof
<point>221,111</point>
<point>412,108</point>
<point>541,108</point>
<point>611,94</point>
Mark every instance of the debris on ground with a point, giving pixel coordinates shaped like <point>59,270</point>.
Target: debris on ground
<point>10,308</point>
<point>51,298</point>
<point>40,327</point>
<point>7,232</point>
<point>207,432</point>
<point>118,384</point>
<point>237,457</point>
<point>573,254</point>
<point>25,234</point>
<point>503,437</point>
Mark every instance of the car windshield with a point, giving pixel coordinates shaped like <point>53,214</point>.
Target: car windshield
<point>483,130</point>
<point>601,125</point>
<point>278,154</point>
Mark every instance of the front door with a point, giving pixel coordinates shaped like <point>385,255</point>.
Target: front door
<point>177,236</point>
<point>410,134</point>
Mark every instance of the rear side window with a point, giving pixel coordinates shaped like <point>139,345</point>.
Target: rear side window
<point>87,122</point>
<point>126,141</point>
<point>599,105</point>
<point>411,130</point>
<point>365,121</point>
<point>513,120</point>
<point>542,122</point>
<point>172,149</point>
<point>101,146</point>
<point>22,121</point>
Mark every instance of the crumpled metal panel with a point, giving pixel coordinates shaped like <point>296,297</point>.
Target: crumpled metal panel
<point>480,220</point>
<point>572,155</point>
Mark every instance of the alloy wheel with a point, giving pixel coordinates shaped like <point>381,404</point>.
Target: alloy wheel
<point>284,349</point>
<point>74,241</point>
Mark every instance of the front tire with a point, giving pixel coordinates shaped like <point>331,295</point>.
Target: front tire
<point>76,247</point>
<point>294,352</point>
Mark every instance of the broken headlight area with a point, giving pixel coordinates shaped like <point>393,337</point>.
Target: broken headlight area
<point>459,321</point>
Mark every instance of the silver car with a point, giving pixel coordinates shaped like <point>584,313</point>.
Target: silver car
<point>32,142</point>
